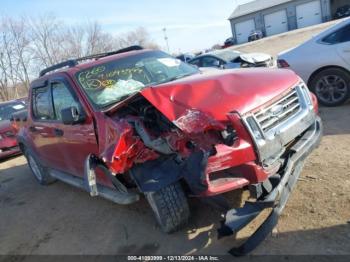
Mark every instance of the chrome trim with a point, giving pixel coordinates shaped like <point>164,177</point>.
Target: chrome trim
<point>270,142</point>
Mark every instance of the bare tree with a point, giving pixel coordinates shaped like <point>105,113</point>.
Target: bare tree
<point>15,57</point>
<point>29,44</point>
<point>21,45</point>
<point>97,40</point>
<point>139,36</point>
<point>47,37</point>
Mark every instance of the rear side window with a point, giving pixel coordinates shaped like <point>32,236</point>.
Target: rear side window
<point>340,36</point>
<point>196,62</point>
<point>62,98</point>
<point>42,107</point>
<point>209,61</point>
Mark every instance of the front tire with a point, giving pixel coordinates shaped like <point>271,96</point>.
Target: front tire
<point>331,86</point>
<point>39,172</point>
<point>170,207</point>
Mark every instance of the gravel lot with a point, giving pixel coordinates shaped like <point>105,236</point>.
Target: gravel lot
<point>60,219</point>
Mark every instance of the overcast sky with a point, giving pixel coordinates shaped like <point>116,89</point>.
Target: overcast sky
<point>191,24</point>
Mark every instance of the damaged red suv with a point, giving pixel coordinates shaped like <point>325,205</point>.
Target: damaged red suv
<point>138,121</point>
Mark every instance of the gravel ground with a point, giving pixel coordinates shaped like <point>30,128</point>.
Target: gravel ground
<point>59,219</point>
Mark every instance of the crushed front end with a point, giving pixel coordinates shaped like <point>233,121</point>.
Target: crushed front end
<point>284,133</point>
<point>215,143</point>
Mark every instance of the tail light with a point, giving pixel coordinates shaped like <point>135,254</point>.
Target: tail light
<point>281,63</point>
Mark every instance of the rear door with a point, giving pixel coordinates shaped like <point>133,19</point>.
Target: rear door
<point>74,142</point>
<point>41,129</point>
<point>343,47</point>
<point>309,14</point>
<point>340,41</point>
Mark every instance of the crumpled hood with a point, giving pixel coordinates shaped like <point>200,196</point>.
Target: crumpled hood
<point>255,57</point>
<point>217,93</point>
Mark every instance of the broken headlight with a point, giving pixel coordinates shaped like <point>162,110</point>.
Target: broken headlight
<point>307,94</point>
<point>229,135</point>
<point>255,129</point>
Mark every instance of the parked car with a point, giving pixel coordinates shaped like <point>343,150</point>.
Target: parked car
<point>185,57</point>
<point>229,42</point>
<point>8,141</point>
<point>324,63</point>
<point>342,12</point>
<point>139,121</point>
<point>228,59</point>
<point>255,35</point>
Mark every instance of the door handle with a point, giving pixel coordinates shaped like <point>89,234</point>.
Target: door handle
<point>58,132</point>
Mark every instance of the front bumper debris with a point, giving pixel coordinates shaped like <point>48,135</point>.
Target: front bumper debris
<point>236,219</point>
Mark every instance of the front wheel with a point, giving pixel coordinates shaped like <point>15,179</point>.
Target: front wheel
<point>170,207</point>
<point>331,86</point>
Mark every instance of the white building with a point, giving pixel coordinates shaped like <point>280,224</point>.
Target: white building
<point>278,16</point>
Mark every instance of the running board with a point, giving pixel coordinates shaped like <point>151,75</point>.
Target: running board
<point>121,198</point>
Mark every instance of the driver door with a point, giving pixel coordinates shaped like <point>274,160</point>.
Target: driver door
<point>74,142</point>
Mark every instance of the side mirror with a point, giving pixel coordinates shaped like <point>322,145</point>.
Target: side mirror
<point>70,116</point>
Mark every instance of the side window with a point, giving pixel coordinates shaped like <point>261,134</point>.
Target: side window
<point>42,107</point>
<point>196,62</point>
<point>340,36</point>
<point>62,98</point>
<point>209,61</point>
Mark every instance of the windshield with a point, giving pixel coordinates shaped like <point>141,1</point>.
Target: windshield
<point>109,83</point>
<point>6,110</point>
<point>227,55</point>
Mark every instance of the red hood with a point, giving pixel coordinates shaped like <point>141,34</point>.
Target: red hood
<point>219,92</point>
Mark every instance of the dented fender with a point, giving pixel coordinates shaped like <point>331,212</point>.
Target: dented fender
<point>122,147</point>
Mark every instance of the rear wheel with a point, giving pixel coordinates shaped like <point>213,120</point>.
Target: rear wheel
<point>170,207</point>
<point>40,173</point>
<point>331,86</point>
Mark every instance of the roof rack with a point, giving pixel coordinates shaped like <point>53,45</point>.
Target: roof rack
<point>74,62</point>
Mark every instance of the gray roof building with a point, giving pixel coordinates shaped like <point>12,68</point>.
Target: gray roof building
<point>277,16</point>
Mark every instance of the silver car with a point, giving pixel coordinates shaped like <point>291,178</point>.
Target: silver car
<point>323,62</point>
<point>228,59</point>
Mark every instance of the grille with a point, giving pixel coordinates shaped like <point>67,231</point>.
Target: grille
<point>278,112</point>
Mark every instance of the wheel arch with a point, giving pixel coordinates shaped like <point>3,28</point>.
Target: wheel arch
<point>312,76</point>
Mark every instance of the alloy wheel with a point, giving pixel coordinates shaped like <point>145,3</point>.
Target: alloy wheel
<point>331,89</point>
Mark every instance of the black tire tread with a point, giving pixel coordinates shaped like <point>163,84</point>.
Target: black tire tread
<point>172,207</point>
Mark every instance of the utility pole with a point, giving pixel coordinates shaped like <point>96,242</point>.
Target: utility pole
<point>166,39</point>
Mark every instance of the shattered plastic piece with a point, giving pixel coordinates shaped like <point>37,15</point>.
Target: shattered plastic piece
<point>195,121</point>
